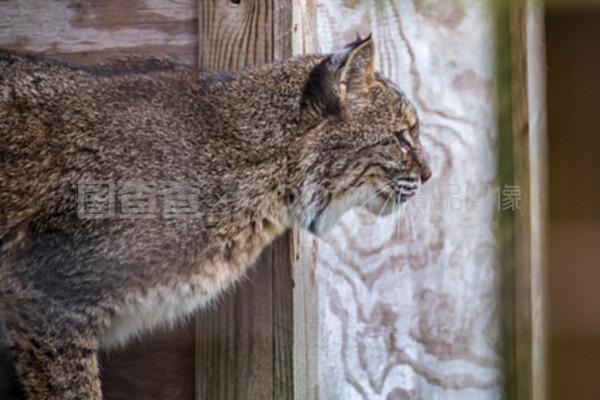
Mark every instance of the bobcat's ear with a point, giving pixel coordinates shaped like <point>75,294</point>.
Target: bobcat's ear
<point>345,71</point>
<point>354,65</point>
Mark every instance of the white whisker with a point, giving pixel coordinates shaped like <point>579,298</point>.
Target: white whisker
<point>377,193</point>
<point>383,208</point>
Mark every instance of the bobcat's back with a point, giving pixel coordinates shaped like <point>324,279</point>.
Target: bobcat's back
<point>60,124</point>
<point>30,91</point>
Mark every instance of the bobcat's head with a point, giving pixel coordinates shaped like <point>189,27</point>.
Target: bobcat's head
<point>362,147</point>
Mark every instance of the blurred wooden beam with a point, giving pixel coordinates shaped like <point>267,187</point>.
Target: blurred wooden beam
<point>244,345</point>
<point>536,81</point>
<point>522,167</point>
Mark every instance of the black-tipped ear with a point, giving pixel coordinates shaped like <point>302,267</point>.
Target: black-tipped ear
<point>345,71</point>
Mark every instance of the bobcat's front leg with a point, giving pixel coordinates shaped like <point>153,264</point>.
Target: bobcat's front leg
<point>56,369</point>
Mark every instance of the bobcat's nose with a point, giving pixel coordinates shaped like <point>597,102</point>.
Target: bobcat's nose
<point>423,165</point>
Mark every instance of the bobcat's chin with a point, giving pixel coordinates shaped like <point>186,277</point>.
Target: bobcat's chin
<point>377,202</point>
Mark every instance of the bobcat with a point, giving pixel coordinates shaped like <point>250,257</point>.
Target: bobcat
<point>96,160</point>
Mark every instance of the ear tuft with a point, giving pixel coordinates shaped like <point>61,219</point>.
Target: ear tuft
<point>358,66</point>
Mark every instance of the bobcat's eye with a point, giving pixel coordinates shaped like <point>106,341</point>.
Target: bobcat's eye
<point>404,138</point>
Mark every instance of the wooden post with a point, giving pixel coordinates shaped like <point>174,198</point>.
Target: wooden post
<point>522,166</point>
<point>244,345</point>
<point>538,171</point>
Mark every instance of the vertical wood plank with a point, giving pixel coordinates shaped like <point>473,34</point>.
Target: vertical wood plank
<point>539,193</point>
<point>506,221</point>
<point>306,303</point>
<point>306,318</point>
<point>522,165</point>
<point>234,342</point>
<point>236,34</point>
<point>244,345</point>
<point>158,366</point>
<point>522,218</point>
<point>283,322</point>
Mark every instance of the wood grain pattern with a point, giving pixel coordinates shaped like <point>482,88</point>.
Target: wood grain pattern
<point>244,346</point>
<point>522,234</point>
<point>407,303</point>
<point>305,294</point>
<point>510,84</point>
<point>306,318</point>
<point>521,163</point>
<point>88,31</point>
<point>155,367</point>
<point>247,33</point>
<point>234,345</point>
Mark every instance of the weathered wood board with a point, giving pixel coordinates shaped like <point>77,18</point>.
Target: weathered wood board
<point>157,366</point>
<point>521,163</point>
<point>407,304</point>
<point>87,31</point>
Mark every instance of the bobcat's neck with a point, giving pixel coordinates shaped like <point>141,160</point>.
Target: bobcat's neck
<point>246,154</point>
<point>259,108</point>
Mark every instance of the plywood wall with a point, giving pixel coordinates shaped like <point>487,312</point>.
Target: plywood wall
<point>407,305</point>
